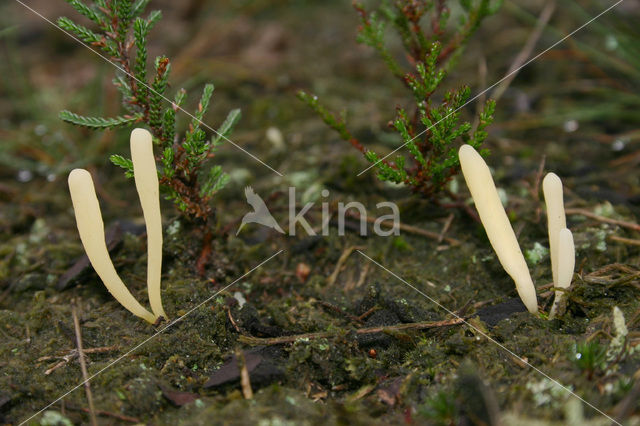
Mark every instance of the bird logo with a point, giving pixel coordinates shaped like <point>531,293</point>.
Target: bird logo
<point>260,213</point>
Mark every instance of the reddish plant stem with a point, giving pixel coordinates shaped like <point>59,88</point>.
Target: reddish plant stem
<point>204,254</point>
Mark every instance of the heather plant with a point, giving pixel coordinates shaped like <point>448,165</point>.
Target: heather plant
<point>589,356</point>
<point>430,129</point>
<point>186,175</point>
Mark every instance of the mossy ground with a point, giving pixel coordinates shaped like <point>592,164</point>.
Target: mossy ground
<point>433,376</point>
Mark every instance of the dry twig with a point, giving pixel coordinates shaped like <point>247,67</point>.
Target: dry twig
<point>250,340</point>
<point>343,258</point>
<point>584,212</point>
<point>361,279</point>
<point>83,366</point>
<point>613,275</point>
<point>73,353</point>
<point>623,240</point>
<point>339,310</point>
<point>245,382</point>
<point>408,228</point>
<point>105,414</point>
<point>447,223</point>
<point>368,312</point>
<point>525,53</point>
<point>233,322</point>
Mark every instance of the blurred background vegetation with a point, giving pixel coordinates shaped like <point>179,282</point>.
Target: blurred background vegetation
<point>258,53</point>
<point>577,105</point>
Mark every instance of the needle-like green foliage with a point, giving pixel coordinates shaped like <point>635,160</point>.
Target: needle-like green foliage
<point>186,177</point>
<point>431,131</point>
<point>590,357</point>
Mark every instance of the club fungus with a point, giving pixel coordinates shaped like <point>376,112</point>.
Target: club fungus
<point>146,177</point>
<point>566,263</point>
<point>91,227</point>
<point>552,189</point>
<point>561,247</point>
<point>91,230</point>
<point>496,224</point>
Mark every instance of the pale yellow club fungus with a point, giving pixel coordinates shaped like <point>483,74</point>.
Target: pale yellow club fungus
<point>91,230</point>
<point>146,177</point>
<point>556,220</point>
<point>496,224</point>
<point>566,252</point>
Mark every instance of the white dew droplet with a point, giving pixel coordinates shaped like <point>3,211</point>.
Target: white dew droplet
<point>570,126</point>
<point>24,176</point>
<point>618,145</point>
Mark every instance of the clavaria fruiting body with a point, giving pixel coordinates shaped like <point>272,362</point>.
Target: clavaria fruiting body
<point>561,247</point>
<point>552,189</point>
<point>566,258</point>
<point>146,177</point>
<point>91,230</point>
<point>566,264</point>
<point>496,224</point>
<point>91,227</point>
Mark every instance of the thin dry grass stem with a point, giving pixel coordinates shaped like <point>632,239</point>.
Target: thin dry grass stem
<point>526,50</point>
<point>325,222</point>
<point>362,392</point>
<point>340,311</point>
<point>629,160</point>
<point>635,317</point>
<point>250,340</point>
<point>625,408</point>
<point>105,414</point>
<point>83,365</point>
<point>245,382</point>
<point>623,240</point>
<point>233,322</point>
<point>341,261</point>
<point>408,228</point>
<point>606,335</point>
<point>613,275</point>
<point>447,224</point>
<point>482,303</point>
<point>546,286</point>
<point>368,312</point>
<point>104,194</point>
<point>535,191</point>
<point>73,353</point>
<point>361,279</point>
<point>584,212</point>
<point>482,82</point>
<point>56,366</point>
<point>614,267</point>
<point>403,227</point>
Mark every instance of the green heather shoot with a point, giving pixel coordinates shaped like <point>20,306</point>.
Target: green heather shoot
<point>430,130</point>
<point>186,176</point>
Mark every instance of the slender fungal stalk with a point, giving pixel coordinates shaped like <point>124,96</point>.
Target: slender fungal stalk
<point>552,188</point>
<point>91,230</point>
<point>566,265</point>
<point>496,224</point>
<point>146,177</point>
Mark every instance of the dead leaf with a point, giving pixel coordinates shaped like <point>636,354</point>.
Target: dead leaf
<point>178,398</point>
<point>389,392</point>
